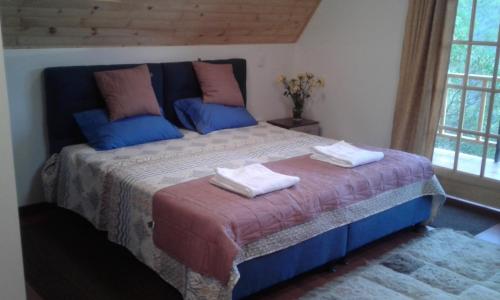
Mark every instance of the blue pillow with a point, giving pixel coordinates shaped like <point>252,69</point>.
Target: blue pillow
<point>102,134</point>
<point>181,107</point>
<point>207,117</point>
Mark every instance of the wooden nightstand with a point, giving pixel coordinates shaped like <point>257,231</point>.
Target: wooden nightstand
<point>303,125</point>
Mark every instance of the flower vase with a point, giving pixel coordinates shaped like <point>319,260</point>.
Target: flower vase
<point>297,114</point>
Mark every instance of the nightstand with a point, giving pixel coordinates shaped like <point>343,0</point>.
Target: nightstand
<point>303,125</point>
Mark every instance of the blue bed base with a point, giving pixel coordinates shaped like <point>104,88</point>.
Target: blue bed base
<point>263,272</point>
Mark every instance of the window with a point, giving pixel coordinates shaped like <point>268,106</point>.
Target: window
<point>469,128</point>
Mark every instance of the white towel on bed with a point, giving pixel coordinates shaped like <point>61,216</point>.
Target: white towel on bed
<point>252,180</point>
<point>345,155</point>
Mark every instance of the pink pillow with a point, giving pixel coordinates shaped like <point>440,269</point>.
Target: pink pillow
<point>218,84</point>
<point>128,92</point>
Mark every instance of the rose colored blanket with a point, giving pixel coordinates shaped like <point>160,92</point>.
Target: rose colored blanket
<point>204,227</point>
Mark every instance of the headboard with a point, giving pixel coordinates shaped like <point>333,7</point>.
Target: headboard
<point>73,89</point>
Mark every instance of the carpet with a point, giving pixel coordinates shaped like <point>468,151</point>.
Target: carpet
<point>442,264</point>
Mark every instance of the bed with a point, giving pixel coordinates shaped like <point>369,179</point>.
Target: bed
<point>114,189</point>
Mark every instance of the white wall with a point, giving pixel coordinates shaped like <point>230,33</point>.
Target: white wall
<point>11,265</point>
<point>356,45</point>
<point>24,78</point>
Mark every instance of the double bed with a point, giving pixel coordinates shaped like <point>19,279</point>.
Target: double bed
<point>115,189</point>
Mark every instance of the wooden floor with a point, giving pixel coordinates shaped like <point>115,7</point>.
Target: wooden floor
<point>31,294</point>
<point>300,285</point>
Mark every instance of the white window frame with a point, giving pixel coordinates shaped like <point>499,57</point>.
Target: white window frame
<point>459,132</point>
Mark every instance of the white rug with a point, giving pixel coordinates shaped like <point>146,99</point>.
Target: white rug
<point>443,264</point>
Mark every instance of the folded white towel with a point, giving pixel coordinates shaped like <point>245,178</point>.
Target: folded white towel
<point>252,180</point>
<point>345,155</point>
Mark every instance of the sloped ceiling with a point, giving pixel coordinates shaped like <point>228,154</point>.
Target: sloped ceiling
<point>84,23</point>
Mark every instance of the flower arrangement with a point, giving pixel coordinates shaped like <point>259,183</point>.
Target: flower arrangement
<point>299,89</point>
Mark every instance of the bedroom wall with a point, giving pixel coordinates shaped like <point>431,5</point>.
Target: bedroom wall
<point>24,67</point>
<point>11,270</point>
<point>356,46</point>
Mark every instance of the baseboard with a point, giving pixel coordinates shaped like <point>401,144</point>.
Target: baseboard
<point>456,201</point>
<point>470,187</point>
<point>34,208</point>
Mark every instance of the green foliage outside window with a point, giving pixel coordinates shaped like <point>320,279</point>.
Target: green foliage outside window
<point>482,61</point>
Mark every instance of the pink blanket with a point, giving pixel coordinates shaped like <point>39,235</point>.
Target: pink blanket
<point>204,227</point>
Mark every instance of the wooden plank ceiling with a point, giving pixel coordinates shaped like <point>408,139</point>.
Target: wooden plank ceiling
<point>87,23</point>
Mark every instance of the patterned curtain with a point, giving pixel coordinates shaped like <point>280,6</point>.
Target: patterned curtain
<point>423,68</point>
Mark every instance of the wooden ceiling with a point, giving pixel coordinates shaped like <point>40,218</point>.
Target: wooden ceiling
<point>87,23</point>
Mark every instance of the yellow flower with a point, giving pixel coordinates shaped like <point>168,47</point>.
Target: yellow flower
<point>293,85</point>
<point>321,82</point>
<point>303,83</point>
<point>281,78</point>
<point>294,89</point>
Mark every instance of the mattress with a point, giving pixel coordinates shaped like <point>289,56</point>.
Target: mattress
<point>114,190</point>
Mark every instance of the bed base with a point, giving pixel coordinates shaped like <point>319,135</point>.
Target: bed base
<point>263,272</point>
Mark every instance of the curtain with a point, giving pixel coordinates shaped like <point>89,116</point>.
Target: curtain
<point>423,68</point>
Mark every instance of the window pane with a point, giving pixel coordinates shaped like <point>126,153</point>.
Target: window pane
<point>487,20</point>
<point>474,101</point>
<point>495,117</point>
<point>450,133</point>
<point>462,22</point>
<point>457,80</point>
<point>484,120</point>
<point>497,85</point>
<point>492,168</point>
<point>457,59</point>
<point>444,152</point>
<point>452,107</point>
<point>469,158</point>
<point>479,81</point>
<point>480,51</point>
<point>482,60</point>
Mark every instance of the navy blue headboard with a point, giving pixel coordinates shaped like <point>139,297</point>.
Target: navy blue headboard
<point>73,89</point>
